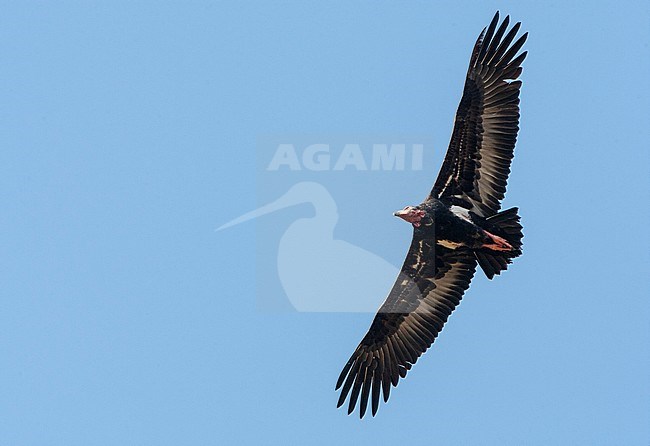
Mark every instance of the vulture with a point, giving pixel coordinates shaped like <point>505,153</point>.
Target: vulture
<point>457,227</point>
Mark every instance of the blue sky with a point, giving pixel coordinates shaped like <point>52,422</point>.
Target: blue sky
<point>131,130</point>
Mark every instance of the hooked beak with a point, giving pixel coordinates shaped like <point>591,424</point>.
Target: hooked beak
<point>410,214</point>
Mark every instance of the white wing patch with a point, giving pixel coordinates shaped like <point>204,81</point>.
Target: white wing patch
<point>461,212</point>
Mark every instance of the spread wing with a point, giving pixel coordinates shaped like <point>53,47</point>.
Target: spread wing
<point>431,284</point>
<point>476,167</point>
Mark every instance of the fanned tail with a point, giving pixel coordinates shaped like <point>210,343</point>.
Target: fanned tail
<point>504,224</point>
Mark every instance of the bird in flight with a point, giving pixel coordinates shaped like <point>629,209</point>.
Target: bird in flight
<point>458,226</point>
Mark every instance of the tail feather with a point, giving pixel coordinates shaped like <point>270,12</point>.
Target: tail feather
<point>504,224</point>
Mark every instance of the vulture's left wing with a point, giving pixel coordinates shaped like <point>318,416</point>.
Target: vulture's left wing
<point>476,166</point>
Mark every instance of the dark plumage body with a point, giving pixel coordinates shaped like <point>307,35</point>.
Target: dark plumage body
<point>458,227</point>
<point>449,228</point>
<point>454,227</point>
